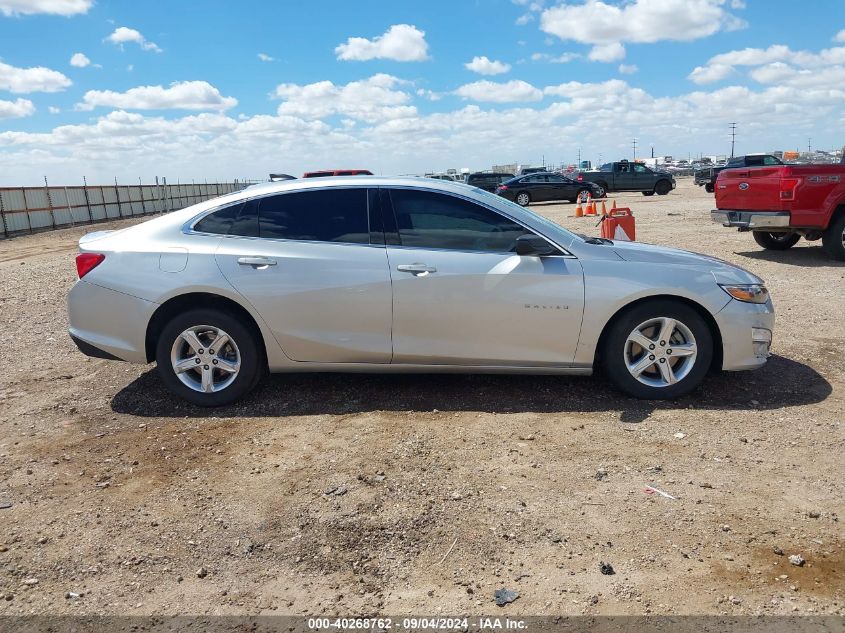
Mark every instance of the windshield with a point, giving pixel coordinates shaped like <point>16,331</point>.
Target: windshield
<point>496,200</point>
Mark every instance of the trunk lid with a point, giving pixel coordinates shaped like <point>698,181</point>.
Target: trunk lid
<point>751,189</point>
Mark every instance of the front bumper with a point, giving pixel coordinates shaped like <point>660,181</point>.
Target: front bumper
<point>749,220</point>
<point>743,327</point>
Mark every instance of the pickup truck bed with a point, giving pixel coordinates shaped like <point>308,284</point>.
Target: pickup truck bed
<point>783,203</point>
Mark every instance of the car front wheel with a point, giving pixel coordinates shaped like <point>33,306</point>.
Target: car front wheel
<point>663,187</point>
<point>208,357</point>
<point>659,350</point>
<point>523,199</point>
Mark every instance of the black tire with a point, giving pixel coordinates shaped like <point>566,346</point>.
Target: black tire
<point>523,198</point>
<point>833,239</point>
<point>662,187</point>
<point>613,350</point>
<point>245,340</point>
<point>776,241</point>
<point>603,185</point>
<point>648,193</point>
<point>709,187</point>
<point>585,195</point>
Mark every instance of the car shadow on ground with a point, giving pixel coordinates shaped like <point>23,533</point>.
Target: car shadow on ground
<point>809,256</point>
<point>781,383</point>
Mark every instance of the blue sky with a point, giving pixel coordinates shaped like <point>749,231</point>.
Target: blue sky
<point>178,89</point>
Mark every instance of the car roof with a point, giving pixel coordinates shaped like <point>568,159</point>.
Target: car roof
<point>304,184</point>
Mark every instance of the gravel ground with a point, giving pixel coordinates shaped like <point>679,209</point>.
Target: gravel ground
<point>425,494</point>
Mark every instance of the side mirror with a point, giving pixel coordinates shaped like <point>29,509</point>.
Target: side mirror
<point>534,246</point>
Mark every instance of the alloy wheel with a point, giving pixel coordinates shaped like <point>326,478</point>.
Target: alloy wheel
<point>660,352</point>
<point>205,358</point>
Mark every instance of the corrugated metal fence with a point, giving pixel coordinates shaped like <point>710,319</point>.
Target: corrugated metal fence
<point>30,209</point>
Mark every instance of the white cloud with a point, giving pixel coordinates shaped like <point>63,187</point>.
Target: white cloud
<point>492,92</point>
<point>264,57</point>
<point>524,19</point>
<point>184,95</point>
<point>612,52</point>
<point>16,109</point>
<point>710,73</point>
<point>839,37</point>
<point>54,7</point>
<point>564,58</point>
<point>375,99</point>
<point>628,69</point>
<point>401,43</point>
<point>123,35</point>
<point>36,79</point>
<point>737,4</point>
<point>595,22</point>
<point>53,109</point>
<point>80,60</point>
<point>484,66</point>
<point>723,65</point>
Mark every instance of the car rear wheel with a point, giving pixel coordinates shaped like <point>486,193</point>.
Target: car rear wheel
<point>584,195</point>
<point>663,187</point>
<point>208,357</point>
<point>776,241</point>
<point>523,199</point>
<point>660,349</point>
<point>833,239</point>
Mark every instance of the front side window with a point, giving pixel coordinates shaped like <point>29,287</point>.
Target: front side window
<point>431,220</point>
<point>641,169</point>
<point>328,215</point>
<point>771,160</point>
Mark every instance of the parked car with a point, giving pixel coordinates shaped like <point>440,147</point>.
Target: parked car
<point>544,187</point>
<point>706,176</point>
<point>487,180</point>
<point>337,172</point>
<point>626,176</point>
<point>378,274</point>
<point>780,204</point>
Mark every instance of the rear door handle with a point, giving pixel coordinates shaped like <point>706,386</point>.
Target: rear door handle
<point>416,269</point>
<point>256,262</point>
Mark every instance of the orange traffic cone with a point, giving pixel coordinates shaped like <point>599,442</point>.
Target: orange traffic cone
<point>603,208</point>
<point>614,205</point>
<point>579,212</point>
<point>591,208</point>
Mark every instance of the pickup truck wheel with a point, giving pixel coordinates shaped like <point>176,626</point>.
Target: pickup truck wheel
<point>648,193</point>
<point>662,187</point>
<point>833,239</point>
<point>776,241</point>
<point>660,349</point>
<point>523,198</point>
<point>709,188</point>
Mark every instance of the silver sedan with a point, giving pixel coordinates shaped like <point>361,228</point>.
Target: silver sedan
<point>404,275</point>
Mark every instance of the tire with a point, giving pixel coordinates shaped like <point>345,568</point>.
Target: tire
<point>662,187</point>
<point>523,198</point>
<point>584,195</point>
<point>648,193</point>
<point>833,239</point>
<point>603,186</point>
<point>689,333</point>
<point>709,187</point>
<point>776,241</point>
<point>241,351</point>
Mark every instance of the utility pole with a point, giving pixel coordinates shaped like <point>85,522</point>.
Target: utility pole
<point>733,138</point>
<point>635,149</point>
<point>809,145</point>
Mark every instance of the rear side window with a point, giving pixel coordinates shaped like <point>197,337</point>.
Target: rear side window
<point>220,221</point>
<point>432,220</point>
<point>330,215</point>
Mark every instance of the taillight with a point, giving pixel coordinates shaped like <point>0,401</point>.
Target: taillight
<point>787,187</point>
<point>503,187</point>
<point>580,177</point>
<point>86,262</point>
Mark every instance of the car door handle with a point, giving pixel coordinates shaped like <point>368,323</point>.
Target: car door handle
<point>416,269</point>
<point>256,262</point>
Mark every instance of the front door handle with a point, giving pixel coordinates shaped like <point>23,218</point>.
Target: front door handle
<point>417,270</point>
<point>256,262</point>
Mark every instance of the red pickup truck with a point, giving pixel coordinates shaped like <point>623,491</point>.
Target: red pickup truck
<point>783,203</point>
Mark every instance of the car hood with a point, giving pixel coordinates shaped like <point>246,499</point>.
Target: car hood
<point>724,272</point>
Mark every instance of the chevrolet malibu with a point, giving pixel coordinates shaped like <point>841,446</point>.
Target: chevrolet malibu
<point>378,274</point>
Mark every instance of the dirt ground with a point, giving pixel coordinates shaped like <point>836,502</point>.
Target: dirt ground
<point>357,494</point>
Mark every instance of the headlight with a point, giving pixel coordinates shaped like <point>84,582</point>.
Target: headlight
<point>751,293</point>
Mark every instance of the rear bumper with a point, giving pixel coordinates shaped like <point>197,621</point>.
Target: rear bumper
<point>751,219</point>
<point>741,326</point>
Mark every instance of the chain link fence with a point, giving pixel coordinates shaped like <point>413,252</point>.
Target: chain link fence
<point>30,209</point>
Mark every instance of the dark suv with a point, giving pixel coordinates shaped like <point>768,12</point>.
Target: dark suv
<point>487,180</point>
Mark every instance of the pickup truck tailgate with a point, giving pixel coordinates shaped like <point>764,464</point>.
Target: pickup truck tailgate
<point>755,189</point>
